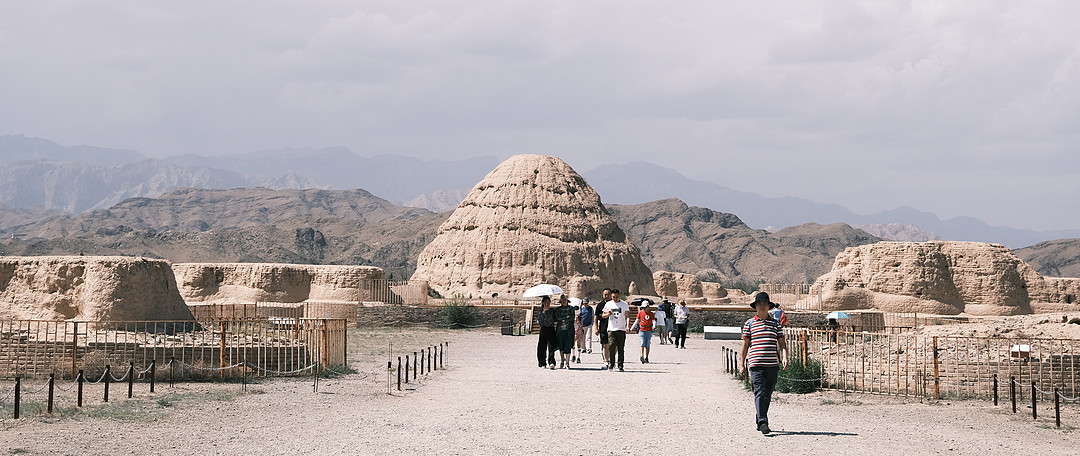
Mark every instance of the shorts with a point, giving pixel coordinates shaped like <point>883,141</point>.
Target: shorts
<point>646,338</point>
<point>603,338</point>
<point>660,329</point>
<point>565,340</point>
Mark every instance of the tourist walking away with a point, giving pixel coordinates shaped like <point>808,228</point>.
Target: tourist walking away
<point>778,314</point>
<point>764,352</point>
<point>660,327</point>
<point>601,326</point>
<point>644,323</point>
<point>564,330</point>
<point>668,322</point>
<point>616,311</point>
<point>682,318</point>
<point>545,347</point>
<point>585,318</point>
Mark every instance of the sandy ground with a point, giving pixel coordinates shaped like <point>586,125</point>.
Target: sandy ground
<point>492,399</point>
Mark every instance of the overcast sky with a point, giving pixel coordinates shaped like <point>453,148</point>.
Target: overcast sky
<point>960,107</point>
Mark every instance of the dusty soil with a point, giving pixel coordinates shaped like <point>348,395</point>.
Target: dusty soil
<point>492,399</point>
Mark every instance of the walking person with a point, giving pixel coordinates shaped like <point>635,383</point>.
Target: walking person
<point>644,323</point>
<point>545,347</point>
<point>585,319</point>
<point>764,352</point>
<point>564,330</point>
<point>601,326</point>
<point>661,324</point>
<point>669,312</point>
<point>682,318</point>
<point>616,311</point>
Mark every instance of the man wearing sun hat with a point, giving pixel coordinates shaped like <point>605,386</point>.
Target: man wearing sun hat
<point>764,352</point>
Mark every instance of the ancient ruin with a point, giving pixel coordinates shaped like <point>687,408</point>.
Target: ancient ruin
<point>942,277</point>
<point>224,283</point>
<point>89,288</point>
<point>531,220</point>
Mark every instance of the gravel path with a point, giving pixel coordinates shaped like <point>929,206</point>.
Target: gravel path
<point>492,399</point>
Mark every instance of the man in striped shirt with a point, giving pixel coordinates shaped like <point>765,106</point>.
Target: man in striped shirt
<point>764,351</point>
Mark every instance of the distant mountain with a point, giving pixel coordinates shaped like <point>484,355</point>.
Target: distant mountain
<point>439,200</point>
<point>17,148</point>
<point>394,177</point>
<point>1058,258</point>
<point>637,182</point>
<point>899,232</point>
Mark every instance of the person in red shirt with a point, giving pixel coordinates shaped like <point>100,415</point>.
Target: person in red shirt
<point>646,317</point>
<point>764,352</point>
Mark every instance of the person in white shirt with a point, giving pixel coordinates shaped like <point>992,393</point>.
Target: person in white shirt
<point>660,327</point>
<point>616,311</point>
<point>682,318</point>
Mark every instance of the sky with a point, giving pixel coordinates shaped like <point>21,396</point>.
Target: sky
<point>960,108</point>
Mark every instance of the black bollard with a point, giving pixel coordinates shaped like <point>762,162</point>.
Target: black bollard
<point>131,378</point>
<point>153,370</point>
<point>406,369</point>
<point>80,380</point>
<point>1057,407</point>
<point>995,390</point>
<point>52,383</point>
<point>172,370</point>
<point>18,395</point>
<point>1012,392</point>
<point>108,376</point>
<point>1034,403</point>
<point>429,360</point>
<point>421,362</point>
<point>415,362</point>
<point>399,373</point>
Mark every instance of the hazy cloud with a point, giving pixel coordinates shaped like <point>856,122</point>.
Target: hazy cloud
<point>959,108</point>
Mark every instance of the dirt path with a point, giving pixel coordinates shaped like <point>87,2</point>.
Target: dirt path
<point>491,399</point>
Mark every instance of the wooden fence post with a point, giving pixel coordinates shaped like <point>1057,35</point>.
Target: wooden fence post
<point>221,354</point>
<point>937,374</point>
<point>74,347</point>
<point>1057,407</point>
<point>1012,392</point>
<point>1034,402</point>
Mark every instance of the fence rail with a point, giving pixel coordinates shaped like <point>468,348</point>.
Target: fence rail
<point>224,348</point>
<point>935,366</point>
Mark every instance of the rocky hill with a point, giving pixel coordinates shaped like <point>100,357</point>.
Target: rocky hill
<point>673,236</point>
<point>1060,258</point>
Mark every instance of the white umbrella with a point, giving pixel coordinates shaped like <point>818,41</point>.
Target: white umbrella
<point>838,315</point>
<point>543,289</point>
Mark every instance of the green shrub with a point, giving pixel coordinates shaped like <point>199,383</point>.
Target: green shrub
<point>800,378</point>
<point>457,313</point>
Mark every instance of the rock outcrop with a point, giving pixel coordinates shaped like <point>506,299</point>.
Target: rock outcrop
<point>532,219</point>
<point>89,288</point>
<point>672,284</point>
<point>942,277</point>
<point>268,282</point>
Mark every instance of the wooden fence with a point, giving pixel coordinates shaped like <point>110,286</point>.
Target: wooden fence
<point>224,348</point>
<point>273,311</point>
<point>934,366</point>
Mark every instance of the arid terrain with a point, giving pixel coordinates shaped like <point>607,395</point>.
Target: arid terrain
<point>492,399</point>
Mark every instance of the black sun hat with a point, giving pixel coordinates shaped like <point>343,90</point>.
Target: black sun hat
<point>762,297</point>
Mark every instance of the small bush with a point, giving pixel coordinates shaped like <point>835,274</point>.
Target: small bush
<point>800,378</point>
<point>457,313</point>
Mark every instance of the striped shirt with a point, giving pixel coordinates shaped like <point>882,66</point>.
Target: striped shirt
<point>763,335</point>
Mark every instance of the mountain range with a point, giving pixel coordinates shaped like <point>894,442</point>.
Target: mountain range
<point>37,175</point>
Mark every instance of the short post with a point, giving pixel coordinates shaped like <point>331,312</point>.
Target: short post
<point>399,373</point>
<point>421,362</point>
<point>406,369</point>
<point>429,360</point>
<point>995,390</point>
<point>415,363</point>
<point>1057,407</point>
<point>108,376</point>
<point>1012,391</point>
<point>172,370</point>
<point>52,383</point>
<point>18,395</point>
<point>80,379</point>
<point>131,378</point>
<point>1034,403</point>
<point>441,353</point>
<point>937,374</point>
<point>153,370</point>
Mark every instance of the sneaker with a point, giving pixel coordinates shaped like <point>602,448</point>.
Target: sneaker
<point>642,360</point>
<point>551,366</point>
<point>579,360</point>
<point>764,428</point>
<point>611,367</point>
<point>620,369</point>
<point>573,358</point>
<point>646,360</point>
<point>589,351</point>
<point>604,367</point>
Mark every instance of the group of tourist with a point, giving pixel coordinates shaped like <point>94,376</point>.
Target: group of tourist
<point>568,328</point>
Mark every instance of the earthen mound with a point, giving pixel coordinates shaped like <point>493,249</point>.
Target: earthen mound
<point>532,219</point>
<point>271,282</point>
<point>89,289</point>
